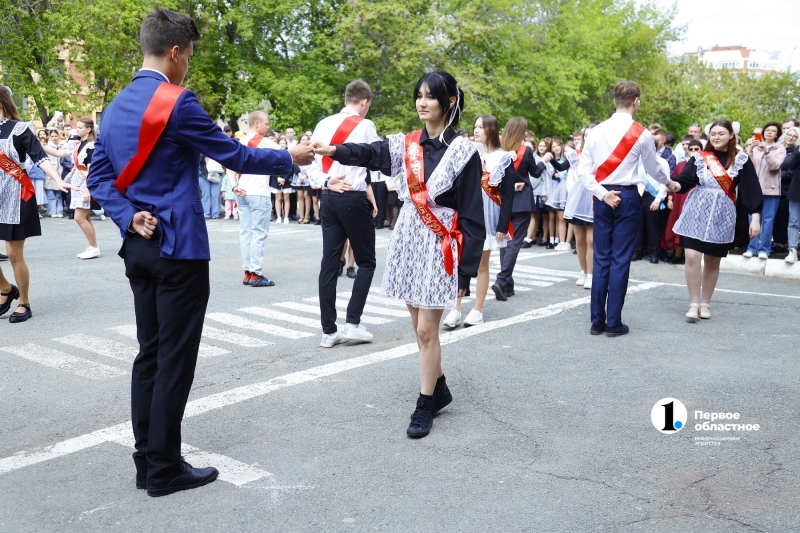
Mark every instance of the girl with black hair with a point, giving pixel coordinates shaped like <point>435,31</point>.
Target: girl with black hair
<point>437,242</point>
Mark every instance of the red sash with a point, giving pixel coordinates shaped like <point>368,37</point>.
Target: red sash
<point>620,152</point>
<point>252,143</point>
<point>720,174</point>
<point>153,123</point>
<point>415,176</point>
<point>340,136</point>
<point>494,194</point>
<point>9,166</point>
<point>83,170</point>
<point>520,154</point>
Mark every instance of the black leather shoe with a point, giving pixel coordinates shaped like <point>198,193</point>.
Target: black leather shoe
<point>11,295</point>
<point>422,418</point>
<point>597,329</point>
<point>499,293</point>
<point>141,480</point>
<point>341,268</point>
<point>636,257</point>
<point>351,272</point>
<point>380,226</point>
<point>550,246</point>
<point>188,478</point>
<point>511,292</point>
<point>526,244</point>
<point>17,317</point>
<point>654,259</point>
<point>616,332</point>
<point>541,243</point>
<point>441,395</point>
<point>3,257</point>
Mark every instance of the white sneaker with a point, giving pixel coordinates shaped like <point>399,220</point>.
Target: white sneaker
<point>329,341</point>
<point>763,255</point>
<point>59,216</point>
<point>89,253</point>
<point>453,318</point>
<point>102,217</point>
<point>474,318</point>
<point>357,333</point>
<point>792,257</point>
<point>581,279</point>
<point>748,254</point>
<point>563,247</point>
<point>588,284</point>
<point>285,220</point>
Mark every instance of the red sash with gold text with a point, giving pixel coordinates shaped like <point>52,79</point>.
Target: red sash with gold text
<point>340,136</point>
<point>153,123</point>
<point>9,166</point>
<point>494,194</point>
<point>620,152</point>
<point>415,176</point>
<point>720,174</point>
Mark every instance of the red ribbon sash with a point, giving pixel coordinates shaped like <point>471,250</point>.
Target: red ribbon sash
<point>620,152</point>
<point>9,166</point>
<point>83,170</point>
<point>520,154</point>
<point>254,141</point>
<point>494,194</point>
<point>340,136</point>
<point>415,176</point>
<point>153,123</point>
<point>720,174</point>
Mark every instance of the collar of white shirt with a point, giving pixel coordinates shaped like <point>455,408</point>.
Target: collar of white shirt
<point>348,111</point>
<point>156,71</point>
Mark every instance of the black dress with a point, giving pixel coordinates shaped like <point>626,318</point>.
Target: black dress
<point>749,199</point>
<point>26,145</point>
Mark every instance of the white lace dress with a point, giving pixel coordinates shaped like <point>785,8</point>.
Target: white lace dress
<point>76,177</point>
<point>414,269</point>
<point>496,164</point>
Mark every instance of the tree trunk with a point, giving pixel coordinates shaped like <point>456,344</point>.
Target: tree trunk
<point>40,105</point>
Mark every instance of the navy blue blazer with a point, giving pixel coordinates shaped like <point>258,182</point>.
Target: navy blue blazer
<point>167,185</point>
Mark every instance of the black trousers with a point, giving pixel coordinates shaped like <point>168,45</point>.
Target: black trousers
<point>780,229</point>
<point>508,255</point>
<point>381,196</point>
<point>345,216</point>
<point>651,230</point>
<point>170,299</point>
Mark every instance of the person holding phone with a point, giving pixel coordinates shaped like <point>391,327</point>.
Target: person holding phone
<point>767,155</point>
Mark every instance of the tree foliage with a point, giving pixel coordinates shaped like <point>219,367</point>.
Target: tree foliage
<point>554,62</point>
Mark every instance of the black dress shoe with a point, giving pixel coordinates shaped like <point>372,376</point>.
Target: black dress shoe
<point>526,244</point>
<point>188,478</point>
<point>499,293</point>
<point>550,246</point>
<point>341,268</point>
<point>441,395</point>
<point>3,257</point>
<point>541,243</point>
<point>422,418</point>
<point>616,332</point>
<point>597,329</point>
<point>636,257</point>
<point>17,317</point>
<point>351,272</point>
<point>141,480</point>
<point>11,295</point>
<point>380,226</point>
<point>654,259</point>
<point>511,292</point>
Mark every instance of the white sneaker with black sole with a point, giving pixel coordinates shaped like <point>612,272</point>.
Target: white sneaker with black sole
<point>453,319</point>
<point>356,333</point>
<point>331,340</point>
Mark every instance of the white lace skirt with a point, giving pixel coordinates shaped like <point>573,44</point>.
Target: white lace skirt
<point>491,215</point>
<point>558,195</point>
<point>414,269</point>
<point>708,215</point>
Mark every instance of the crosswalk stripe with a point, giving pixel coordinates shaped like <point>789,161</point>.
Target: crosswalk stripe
<point>230,470</point>
<point>522,274</point>
<point>376,299</point>
<point>546,271</point>
<point>101,346</point>
<point>279,315</point>
<point>295,306</point>
<point>211,332</point>
<point>245,323</point>
<point>368,308</point>
<point>527,281</point>
<point>64,361</point>
<point>517,287</point>
<point>205,350</point>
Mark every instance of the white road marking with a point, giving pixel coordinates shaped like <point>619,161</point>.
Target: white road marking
<point>280,315</point>
<point>525,280</point>
<point>376,299</point>
<point>230,470</point>
<point>305,308</point>
<point>206,350</point>
<point>64,361</point>
<point>728,290</point>
<point>245,323</point>
<point>400,303</point>
<point>524,275</point>
<point>211,332</point>
<point>544,271</point>
<point>101,346</point>
<point>121,433</point>
<point>368,308</point>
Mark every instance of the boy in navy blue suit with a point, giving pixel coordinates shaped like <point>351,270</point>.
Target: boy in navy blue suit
<point>165,243</point>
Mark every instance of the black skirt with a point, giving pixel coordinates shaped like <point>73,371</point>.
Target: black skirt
<point>709,248</point>
<point>579,222</point>
<point>29,224</point>
<point>313,193</point>
<point>393,200</point>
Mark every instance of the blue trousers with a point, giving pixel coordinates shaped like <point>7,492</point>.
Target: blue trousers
<point>615,234</point>
<point>210,197</point>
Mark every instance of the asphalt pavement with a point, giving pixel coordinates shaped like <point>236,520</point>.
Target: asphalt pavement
<point>551,429</point>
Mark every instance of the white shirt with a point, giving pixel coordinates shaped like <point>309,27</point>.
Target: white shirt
<point>602,141</point>
<point>256,184</point>
<point>364,132</point>
<point>157,72</point>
